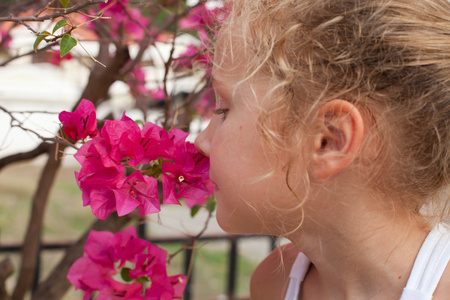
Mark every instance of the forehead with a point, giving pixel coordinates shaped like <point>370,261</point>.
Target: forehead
<point>229,56</point>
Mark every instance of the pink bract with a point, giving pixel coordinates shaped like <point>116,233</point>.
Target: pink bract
<point>120,167</point>
<point>125,21</point>
<point>137,191</point>
<point>81,123</point>
<point>138,88</point>
<point>105,254</point>
<point>5,38</point>
<point>187,176</point>
<point>55,58</point>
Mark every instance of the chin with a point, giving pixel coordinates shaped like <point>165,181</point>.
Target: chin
<point>233,224</point>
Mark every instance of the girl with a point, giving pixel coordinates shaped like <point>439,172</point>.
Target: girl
<point>332,129</point>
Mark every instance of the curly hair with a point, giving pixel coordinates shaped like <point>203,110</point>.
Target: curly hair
<point>391,58</point>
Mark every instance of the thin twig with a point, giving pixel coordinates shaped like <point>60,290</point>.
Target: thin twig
<point>34,112</point>
<point>18,124</point>
<point>93,58</point>
<point>44,8</point>
<point>28,53</point>
<point>28,27</point>
<point>147,41</point>
<point>168,106</point>
<point>63,12</point>
<point>193,239</point>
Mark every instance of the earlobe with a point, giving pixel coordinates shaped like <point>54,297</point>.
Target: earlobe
<point>339,138</point>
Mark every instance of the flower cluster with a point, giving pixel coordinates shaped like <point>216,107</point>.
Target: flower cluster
<point>193,55</point>
<point>5,38</point>
<point>81,123</point>
<point>125,21</point>
<point>55,59</point>
<point>141,265</point>
<point>201,18</point>
<point>137,86</point>
<point>121,165</point>
<point>202,21</point>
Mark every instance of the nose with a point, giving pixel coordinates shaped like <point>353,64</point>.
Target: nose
<point>203,141</point>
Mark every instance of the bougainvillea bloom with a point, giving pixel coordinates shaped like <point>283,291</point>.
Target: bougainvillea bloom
<point>141,265</point>
<point>125,21</point>
<point>136,83</point>
<point>191,56</point>
<point>186,175</point>
<point>157,94</point>
<point>121,166</point>
<point>56,59</point>
<point>200,18</point>
<point>81,123</point>
<point>5,38</point>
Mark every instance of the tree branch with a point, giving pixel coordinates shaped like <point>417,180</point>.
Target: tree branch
<point>6,270</point>
<point>63,12</point>
<point>17,157</point>
<point>33,235</point>
<point>16,123</point>
<point>168,107</point>
<point>28,53</point>
<point>97,88</point>
<point>56,284</point>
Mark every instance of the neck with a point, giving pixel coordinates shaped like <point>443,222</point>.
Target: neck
<point>356,259</point>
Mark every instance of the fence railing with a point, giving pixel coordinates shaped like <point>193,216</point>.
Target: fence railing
<point>232,254</point>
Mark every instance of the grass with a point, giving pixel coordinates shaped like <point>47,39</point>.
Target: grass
<point>66,219</point>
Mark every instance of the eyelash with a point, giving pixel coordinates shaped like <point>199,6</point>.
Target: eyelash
<point>221,111</point>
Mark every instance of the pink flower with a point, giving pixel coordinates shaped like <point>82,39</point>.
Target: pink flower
<point>157,94</point>
<point>194,18</point>
<point>137,82</point>
<point>137,191</point>
<point>55,58</point>
<point>5,38</point>
<point>200,17</point>
<point>120,167</point>
<point>191,56</point>
<point>114,7</point>
<point>187,176</point>
<point>206,103</point>
<point>81,123</point>
<point>107,254</point>
<point>125,21</point>
<point>124,137</point>
<point>137,86</point>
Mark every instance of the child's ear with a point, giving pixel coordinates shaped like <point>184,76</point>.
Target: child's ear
<point>339,138</point>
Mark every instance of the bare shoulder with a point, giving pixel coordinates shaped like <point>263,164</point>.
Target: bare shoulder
<point>271,277</point>
<point>443,288</point>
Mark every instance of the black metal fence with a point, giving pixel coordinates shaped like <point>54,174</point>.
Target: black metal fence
<point>232,254</point>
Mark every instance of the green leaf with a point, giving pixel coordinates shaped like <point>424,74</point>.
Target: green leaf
<point>125,274</point>
<point>142,279</point>
<point>211,204</point>
<point>39,39</point>
<point>64,2</point>
<point>194,210</point>
<point>156,171</point>
<point>67,43</point>
<point>60,24</point>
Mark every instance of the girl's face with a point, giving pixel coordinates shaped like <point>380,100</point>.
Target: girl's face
<point>251,191</point>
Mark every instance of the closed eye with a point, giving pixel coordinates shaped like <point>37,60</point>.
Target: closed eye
<point>221,111</point>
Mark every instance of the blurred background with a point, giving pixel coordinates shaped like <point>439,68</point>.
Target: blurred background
<point>156,57</point>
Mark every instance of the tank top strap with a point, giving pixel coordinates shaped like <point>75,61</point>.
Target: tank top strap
<point>298,273</point>
<point>429,265</point>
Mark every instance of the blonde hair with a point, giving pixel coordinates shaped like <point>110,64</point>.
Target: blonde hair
<point>391,58</point>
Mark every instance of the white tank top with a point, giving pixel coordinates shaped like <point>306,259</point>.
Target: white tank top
<point>425,275</point>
